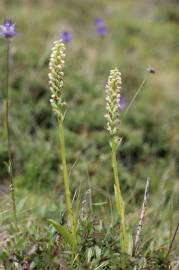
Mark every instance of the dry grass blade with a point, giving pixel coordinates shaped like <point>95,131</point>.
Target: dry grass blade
<point>141,220</point>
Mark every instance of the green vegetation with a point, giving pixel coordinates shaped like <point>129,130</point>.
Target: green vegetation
<point>140,33</point>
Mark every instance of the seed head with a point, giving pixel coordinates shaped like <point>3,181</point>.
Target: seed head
<point>113,89</point>
<point>151,70</point>
<point>56,76</point>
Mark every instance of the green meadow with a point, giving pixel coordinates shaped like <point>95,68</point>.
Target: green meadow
<point>140,34</point>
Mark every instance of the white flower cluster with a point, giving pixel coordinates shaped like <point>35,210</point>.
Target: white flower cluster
<point>113,89</point>
<point>56,76</point>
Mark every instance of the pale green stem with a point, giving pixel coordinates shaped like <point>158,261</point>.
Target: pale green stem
<point>8,134</point>
<point>119,199</point>
<point>66,178</point>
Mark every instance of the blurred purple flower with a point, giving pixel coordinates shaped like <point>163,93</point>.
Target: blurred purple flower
<point>122,103</point>
<point>8,29</point>
<point>66,36</point>
<point>99,22</point>
<point>101,28</point>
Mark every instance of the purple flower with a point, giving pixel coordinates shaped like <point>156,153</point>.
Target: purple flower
<point>66,36</point>
<point>99,22</point>
<point>101,28</point>
<point>122,103</point>
<point>8,29</point>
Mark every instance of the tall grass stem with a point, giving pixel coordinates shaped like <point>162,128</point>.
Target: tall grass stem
<point>173,240</point>
<point>8,133</point>
<point>135,96</point>
<point>141,220</point>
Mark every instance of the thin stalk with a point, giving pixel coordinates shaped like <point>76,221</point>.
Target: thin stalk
<point>119,199</point>
<point>8,133</point>
<point>173,240</point>
<point>135,96</point>
<point>66,178</point>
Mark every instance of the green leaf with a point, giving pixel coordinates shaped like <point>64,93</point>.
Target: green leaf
<point>130,243</point>
<point>3,256</point>
<point>67,236</point>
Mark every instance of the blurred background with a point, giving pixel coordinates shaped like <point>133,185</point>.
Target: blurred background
<point>135,35</point>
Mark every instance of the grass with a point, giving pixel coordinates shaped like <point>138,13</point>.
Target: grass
<point>140,34</point>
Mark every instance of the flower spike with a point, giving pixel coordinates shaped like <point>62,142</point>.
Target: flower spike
<point>113,89</point>
<point>56,77</point>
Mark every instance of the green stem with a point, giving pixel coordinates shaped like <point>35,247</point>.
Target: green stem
<point>66,178</point>
<point>119,199</point>
<point>8,134</point>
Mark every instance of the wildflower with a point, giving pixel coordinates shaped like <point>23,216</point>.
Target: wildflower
<point>113,89</point>
<point>99,22</point>
<point>101,28</point>
<point>113,99</point>
<point>8,29</point>
<point>56,76</point>
<point>66,36</point>
<point>122,103</point>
